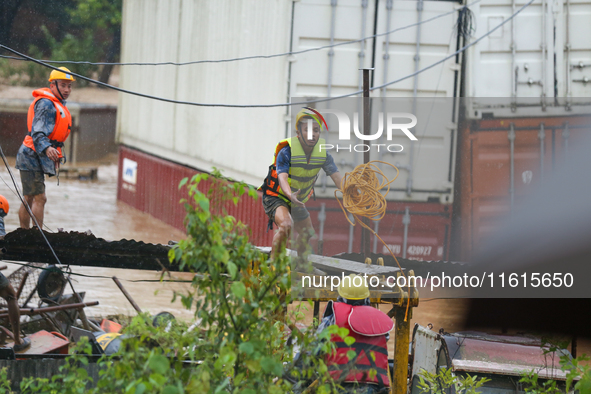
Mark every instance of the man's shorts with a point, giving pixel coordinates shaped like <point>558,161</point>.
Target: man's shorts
<point>33,182</point>
<point>4,283</point>
<point>271,203</point>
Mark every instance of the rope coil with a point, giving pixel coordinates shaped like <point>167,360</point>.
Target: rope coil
<point>364,197</point>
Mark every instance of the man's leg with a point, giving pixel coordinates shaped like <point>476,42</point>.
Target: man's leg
<point>37,205</point>
<point>23,215</point>
<point>284,223</point>
<point>305,232</point>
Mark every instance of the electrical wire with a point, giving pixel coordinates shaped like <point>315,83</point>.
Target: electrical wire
<point>68,271</point>
<point>276,104</point>
<point>291,53</point>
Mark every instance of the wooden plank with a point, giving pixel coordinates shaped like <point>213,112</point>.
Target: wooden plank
<point>334,264</point>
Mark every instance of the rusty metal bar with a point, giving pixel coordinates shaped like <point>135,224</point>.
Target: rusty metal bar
<point>36,311</point>
<point>127,295</point>
<point>85,323</point>
<point>365,241</point>
<point>2,268</point>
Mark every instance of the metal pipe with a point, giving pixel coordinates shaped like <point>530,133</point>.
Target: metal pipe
<point>127,295</point>
<point>321,219</point>
<point>361,55</point>
<point>386,58</point>
<point>513,55</point>
<point>542,137</point>
<point>351,234</point>
<point>567,49</point>
<point>365,242</point>
<point>511,137</point>
<point>362,44</point>
<point>376,228</point>
<point>544,54</point>
<point>333,4</point>
<point>565,135</point>
<point>406,223</point>
<point>35,311</point>
<point>402,340</point>
<point>415,92</point>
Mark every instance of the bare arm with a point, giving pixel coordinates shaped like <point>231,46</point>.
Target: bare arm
<point>337,179</point>
<point>284,184</point>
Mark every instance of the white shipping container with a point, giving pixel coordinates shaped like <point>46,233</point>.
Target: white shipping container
<point>241,141</point>
<point>426,167</point>
<point>537,64</point>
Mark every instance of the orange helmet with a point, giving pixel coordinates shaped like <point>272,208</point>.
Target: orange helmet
<point>3,204</point>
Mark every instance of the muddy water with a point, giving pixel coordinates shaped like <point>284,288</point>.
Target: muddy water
<point>77,205</point>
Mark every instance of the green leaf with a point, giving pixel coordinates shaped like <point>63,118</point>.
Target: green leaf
<point>170,390</point>
<point>351,355</point>
<point>140,388</point>
<point>232,269</point>
<point>246,347</point>
<point>271,366</point>
<point>238,289</point>
<point>349,341</point>
<point>159,364</point>
<point>183,182</point>
<point>253,365</point>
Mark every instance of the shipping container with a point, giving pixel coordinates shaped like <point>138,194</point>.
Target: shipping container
<point>541,59</point>
<point>504,160</point>
<point>236,140</point>
<point>414,230</point>
<point>421,33</point>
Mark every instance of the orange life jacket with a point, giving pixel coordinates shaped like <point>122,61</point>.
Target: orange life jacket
<point>369,327</point>
<point>303,171</point>
<point>63,121</point>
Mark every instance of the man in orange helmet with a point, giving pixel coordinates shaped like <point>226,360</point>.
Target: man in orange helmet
<point>3,212</point>
<point>49,123</point>
<point>7,291</point>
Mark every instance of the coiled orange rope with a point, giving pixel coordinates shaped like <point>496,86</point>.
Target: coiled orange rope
<point>364,193</point>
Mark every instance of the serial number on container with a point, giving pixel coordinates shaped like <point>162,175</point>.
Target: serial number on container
<point>533,279</point>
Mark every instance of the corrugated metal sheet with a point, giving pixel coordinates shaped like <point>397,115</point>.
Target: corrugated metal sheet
<point>235,140</point>
<point>486,190</point>
<point>543,54</point>
<point>154,189</point>
<point>427,238</point>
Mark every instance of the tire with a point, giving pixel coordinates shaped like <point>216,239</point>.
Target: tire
<point>51,284</point>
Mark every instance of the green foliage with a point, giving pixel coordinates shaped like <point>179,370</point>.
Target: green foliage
<point>444,379</point>
<point>92,27</point>
<point>4,382</point>
<point>578,374</point>
<point>240,340</point>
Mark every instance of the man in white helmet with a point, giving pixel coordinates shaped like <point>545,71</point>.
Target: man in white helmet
<point>367,372</point>
<point>49,123</point>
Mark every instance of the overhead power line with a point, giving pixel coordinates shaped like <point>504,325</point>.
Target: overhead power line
<point>250,57</point>
<point>275,104</point>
